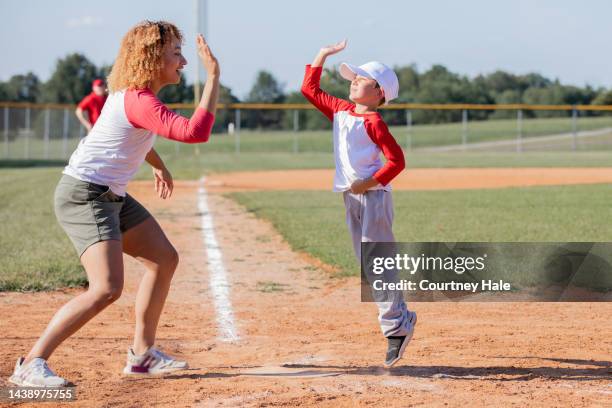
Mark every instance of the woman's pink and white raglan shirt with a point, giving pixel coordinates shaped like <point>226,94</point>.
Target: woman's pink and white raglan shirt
<point>117,145</point>
<point>358,138</point>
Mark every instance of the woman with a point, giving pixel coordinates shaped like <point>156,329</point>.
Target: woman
<point>102,220</point>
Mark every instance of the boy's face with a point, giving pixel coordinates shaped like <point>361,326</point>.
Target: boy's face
<point>365,91</point>
<point>99,90</point>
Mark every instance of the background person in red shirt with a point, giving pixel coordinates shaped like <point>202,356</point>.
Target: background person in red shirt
<point>92,104</point>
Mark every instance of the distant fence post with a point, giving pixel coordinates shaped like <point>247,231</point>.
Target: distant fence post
<point>408,129</point>
<point>574,128</point>
<point>237,130</point>
<point>6,132</point>
<point>519,131</point>
<point>65,134</point>
<point>46,133</point>
<point>296,128</point>
<point>464,128</point>
<point>26,152</point>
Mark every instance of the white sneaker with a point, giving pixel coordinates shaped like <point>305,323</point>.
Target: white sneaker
<point>151,363</point>
<point>35,374</point>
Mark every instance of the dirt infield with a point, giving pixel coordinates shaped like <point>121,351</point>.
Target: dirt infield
<point>305,339</point>
<point>415,179</point>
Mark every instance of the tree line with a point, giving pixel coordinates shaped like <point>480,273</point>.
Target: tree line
<point>72,77</point>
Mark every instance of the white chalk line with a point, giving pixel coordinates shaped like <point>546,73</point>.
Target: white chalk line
<point>218,283</point>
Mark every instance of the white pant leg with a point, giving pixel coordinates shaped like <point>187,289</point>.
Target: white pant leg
<point>369,218</point>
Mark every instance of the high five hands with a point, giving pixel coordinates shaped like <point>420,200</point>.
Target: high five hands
<point>327,51</point>
<point>334,48</point>
<point>208,59</point>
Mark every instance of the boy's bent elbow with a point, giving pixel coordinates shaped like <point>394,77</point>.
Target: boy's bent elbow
<point>397,167</point>
<point>401,165</point>
<point>399,161</point>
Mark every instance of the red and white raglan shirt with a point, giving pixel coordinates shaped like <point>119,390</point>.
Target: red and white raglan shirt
<point>125,132</point>
<point>358,138</point>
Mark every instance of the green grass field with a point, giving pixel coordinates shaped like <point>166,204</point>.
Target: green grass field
<point>492,130</point>
<point>35,252</point>
<point>37,255</point>
<point>546,214</point>
<point>283,141</point>
<point>194,166</point>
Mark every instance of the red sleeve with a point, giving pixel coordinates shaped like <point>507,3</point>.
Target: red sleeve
<point>85,102</point>
<point>324,102</point>
<point>145,111</point>
<point>379,133</point>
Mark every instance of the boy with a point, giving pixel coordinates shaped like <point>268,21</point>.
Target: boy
<point>360,135</point>
<point>92,104</point>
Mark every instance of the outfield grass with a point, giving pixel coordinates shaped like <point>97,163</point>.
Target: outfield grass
<point>420,135</point>
<point>284,141</point>
<point>548,214</point>
<point>193,167</point>
<point>492,130</point>
<point>35,252</point>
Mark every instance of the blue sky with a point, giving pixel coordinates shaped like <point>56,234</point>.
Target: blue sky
<point>562,39</point>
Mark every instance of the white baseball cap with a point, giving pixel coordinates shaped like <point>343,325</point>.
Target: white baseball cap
<point>377,71</point>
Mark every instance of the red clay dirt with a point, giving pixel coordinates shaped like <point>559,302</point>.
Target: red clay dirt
<point>306,339</point>
<point>415,179</point>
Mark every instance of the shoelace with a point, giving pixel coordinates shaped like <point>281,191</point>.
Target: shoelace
<point>165,359</point>
<point>42,369</point>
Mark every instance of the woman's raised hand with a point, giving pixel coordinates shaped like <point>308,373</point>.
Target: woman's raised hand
<point>208,59</point>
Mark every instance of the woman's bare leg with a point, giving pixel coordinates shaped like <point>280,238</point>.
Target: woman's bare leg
<point>148,243</point>
<point>103,263</point>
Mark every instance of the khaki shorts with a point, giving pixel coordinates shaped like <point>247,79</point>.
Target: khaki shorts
<point>91,213</point>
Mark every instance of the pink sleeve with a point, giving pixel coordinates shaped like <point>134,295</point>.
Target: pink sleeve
<point>145,111</point>
<point>326,103</point>
<point>379,133</point>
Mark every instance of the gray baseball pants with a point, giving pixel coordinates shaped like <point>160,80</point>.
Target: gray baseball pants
<point>369,217</point>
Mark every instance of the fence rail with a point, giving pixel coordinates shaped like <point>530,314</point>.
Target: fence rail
<point>51,131</point>
<point>306,106</point>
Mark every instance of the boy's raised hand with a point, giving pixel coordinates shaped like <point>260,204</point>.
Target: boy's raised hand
<point>334,49</point>
<point>327,51</point>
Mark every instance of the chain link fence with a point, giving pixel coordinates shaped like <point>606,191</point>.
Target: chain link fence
<point>52,132</point>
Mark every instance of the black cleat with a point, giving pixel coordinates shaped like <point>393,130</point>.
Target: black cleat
<point>397,344</point>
